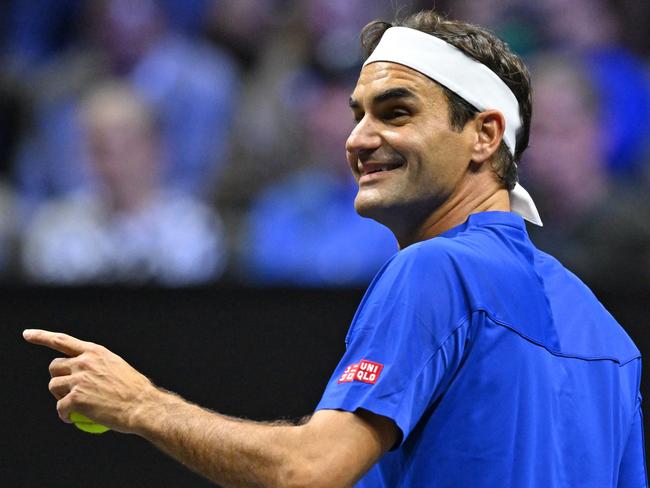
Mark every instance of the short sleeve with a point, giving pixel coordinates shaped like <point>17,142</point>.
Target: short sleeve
<point>632,473</point>
<point>406,340</point>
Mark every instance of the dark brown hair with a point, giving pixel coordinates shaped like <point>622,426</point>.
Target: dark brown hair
<point>485,47</point>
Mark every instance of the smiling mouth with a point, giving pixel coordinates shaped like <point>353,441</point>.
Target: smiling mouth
<point>383,168</point>
<point>374,168</point>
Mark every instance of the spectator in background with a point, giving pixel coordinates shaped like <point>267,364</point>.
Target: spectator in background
<point>287,60</point>
<point>589,140</point>
<point>590,31</point>
<point>35,30</point>
<point>303,230</point>
<point>300,48</point>
<point>566,163</point>
<point>192,85</point>
<point>241,26</point>
<point>130,228</point>
<point>592,225</point>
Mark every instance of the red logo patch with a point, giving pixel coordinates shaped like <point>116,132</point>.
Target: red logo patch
<point>364,371</point>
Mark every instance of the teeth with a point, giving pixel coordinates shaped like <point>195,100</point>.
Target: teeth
<point>377,169</point>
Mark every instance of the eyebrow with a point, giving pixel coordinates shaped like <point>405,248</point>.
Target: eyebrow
<point>384,96</point>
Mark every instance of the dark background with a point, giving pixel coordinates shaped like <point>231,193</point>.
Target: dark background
<point>260,354</point>
<point>251,353</point>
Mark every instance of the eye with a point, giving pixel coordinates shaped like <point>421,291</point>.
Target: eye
<point>396,114</point>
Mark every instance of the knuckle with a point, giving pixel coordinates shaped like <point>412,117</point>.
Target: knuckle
<point>76,399</point>
<point>57,389</point>
<point>53,365</point>
<point>91,352</point>
<point>62,410</point>
<point>75,380</point>
<point>73,396</point>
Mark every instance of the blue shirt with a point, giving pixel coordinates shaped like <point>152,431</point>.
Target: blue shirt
<point>498,366</point>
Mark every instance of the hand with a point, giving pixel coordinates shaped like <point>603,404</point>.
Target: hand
<point>93,381</point>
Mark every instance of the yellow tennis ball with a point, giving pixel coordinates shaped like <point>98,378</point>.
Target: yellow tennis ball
<point>82,422</point>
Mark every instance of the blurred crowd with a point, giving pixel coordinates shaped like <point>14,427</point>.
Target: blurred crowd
<point>181,142</point>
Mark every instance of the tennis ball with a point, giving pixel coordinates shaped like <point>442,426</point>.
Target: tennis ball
<point>82,422</point>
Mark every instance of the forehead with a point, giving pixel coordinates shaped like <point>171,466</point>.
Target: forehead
<point>382,75</point>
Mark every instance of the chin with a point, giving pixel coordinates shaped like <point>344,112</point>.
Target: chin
<point>371,207</point>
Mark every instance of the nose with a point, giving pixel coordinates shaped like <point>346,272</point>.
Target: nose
<point>363,138</point>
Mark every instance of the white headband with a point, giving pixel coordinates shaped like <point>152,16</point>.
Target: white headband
<point>463,75</point>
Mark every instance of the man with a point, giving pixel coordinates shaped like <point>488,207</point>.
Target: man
<point>475,359</point>
<point>131,227</point>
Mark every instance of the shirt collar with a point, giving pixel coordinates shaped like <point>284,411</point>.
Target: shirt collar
<point>482,219</point>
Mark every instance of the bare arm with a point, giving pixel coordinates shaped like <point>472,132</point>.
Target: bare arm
<point>333,449</point>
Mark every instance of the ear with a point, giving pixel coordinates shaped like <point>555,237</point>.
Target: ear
<point>490,126</point>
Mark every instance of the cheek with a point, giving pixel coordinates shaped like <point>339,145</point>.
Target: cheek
<point>409,145</point>
<point>433,155</point>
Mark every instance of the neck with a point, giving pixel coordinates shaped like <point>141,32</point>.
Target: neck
<point>131,200</point>
<point>478,192</point>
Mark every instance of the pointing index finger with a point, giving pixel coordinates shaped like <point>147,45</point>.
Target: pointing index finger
<point>58,341</point>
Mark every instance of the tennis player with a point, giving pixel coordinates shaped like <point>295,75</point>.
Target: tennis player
<point>474,360</point>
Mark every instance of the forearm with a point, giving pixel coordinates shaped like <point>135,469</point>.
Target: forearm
<point>228,451</point>
<point>333,449</point>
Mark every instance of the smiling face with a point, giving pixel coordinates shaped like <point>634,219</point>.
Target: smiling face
<point>403,152</point>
